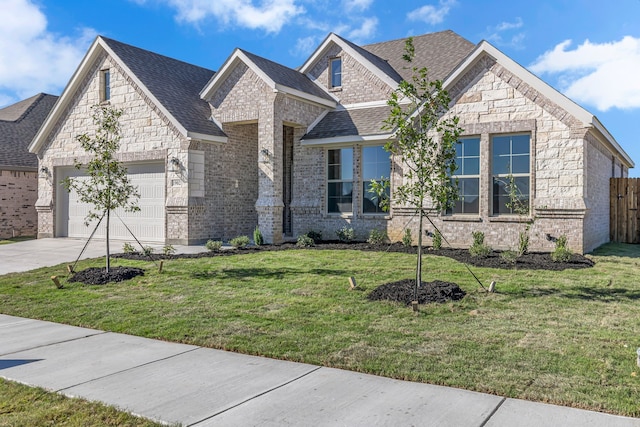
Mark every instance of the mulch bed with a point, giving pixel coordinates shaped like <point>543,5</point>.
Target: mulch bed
<point>99,276</point>
<point>403,291</point>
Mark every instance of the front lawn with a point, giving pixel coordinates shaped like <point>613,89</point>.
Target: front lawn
<point>565,337</point>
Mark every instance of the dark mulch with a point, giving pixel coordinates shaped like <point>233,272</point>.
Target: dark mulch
<point>99,276</point>
<point>404,291</point>
<point>531,261</point>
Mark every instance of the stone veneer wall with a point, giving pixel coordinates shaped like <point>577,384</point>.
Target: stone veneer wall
<point>147,135</point>
<point>18,194</point>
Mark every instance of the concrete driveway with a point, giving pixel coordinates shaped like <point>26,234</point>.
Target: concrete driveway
<point>31,254</point>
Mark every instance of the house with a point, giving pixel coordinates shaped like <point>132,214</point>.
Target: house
<point>293,150</point>
<point>19,168</point>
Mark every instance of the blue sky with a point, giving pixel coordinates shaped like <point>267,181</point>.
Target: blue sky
<point>589,50</point>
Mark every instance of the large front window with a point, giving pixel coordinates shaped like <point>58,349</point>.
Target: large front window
<point>510,173</point>
<point>376,165</point>
<point>340,180</point>
<point>468,176</point>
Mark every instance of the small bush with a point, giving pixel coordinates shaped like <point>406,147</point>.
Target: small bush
<point>213,245</point>
<point>239,242</point>
<point>346,234</point>
<point>437,240</point>
<point>148,250</point>
<point>478,248</point>
<point>523,243</point>
<point>561,253</point>
<point>168,250</point>
<point>304,241</point>
<point>509,256</point>
<point>127,248</point>
<point>257,237</point>
<point>315,235</point>
<point>407,240</point>
<point>377,237</point>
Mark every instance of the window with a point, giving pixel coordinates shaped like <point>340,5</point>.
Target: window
<point>468,176</point>
<point>340,180</point>
<point>376,165</point>
<point>510,160</point>
<point>105,85</point>
<point>335,69</point>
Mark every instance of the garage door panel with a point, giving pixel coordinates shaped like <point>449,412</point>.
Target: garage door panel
<point>146,224</point>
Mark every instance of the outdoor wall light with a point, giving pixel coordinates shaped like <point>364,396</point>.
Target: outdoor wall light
<point>175,163</point>
<point>44,171</point>
<point>265,155</point>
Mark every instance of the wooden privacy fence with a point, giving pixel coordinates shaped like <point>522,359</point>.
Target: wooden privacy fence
<point>623,223</point>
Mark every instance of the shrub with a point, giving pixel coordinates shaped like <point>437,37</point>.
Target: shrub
<point>346,234</point>
<point>305,241</point>
<point>315,235</point>
<point>168,250</point>
<point>377,237</point>
<point>257,237</point>
<point>509,256</point>
<point>127,248</point>
<point>239,242</point>
<point>478,248</point>
<point>407,240</point>
<point>561,253</point>
<point>213,245</point>
<point>437,240</point>
<point>523,243</point>
<point>147,250</point>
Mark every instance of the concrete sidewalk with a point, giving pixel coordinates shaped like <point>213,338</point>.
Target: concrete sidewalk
<point>177,383</point>
<point>32,254</point>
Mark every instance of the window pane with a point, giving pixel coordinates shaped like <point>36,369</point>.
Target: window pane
<point>340,164</point>
<point>471,147</point>
<point>520,144</point>
<point>500,165</point>
<point>471,166</point>
<point>501,145</point>
<point>376,163</point>
<point>336,72</point>
<point>339,197</point>
<point>370,201</point>
<point>520,164</point>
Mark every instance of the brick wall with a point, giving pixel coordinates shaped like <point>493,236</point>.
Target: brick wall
<point>18,194</point>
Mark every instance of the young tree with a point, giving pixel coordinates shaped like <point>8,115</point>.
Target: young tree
<point>425,145</point>
<point>107,187</point>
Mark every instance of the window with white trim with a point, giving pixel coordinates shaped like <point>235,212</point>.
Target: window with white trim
<point>340,181</point>
<point>335,72</point>
<point>105,85</point>
<point>510,159</point>
<point>376,165</point>
<point>468,176</point>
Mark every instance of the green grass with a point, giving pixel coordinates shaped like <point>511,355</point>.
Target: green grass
<point>16,239</point>
<point>22,406</point>
<point>567,338</point>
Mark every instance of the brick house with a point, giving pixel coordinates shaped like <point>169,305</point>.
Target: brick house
<point>19,168</point>
<point>261,144</point>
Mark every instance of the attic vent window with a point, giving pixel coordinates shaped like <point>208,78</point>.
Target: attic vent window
<point>105,85</point>
<point>335,69</point>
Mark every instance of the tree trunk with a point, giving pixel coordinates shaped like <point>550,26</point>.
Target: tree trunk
<point>107,235</point>
<point>419,266</point>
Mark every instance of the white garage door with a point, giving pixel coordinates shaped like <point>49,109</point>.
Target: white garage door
<point>147,224</point>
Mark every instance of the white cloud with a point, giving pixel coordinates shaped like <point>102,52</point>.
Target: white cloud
<point>305,46</point>
<point>366,30</point>
<point>604,75</point>
<point>33,59</point>
<point>269,15</point>
<point>361,5</point>
<point>503,34</point>
<point>432,14</point>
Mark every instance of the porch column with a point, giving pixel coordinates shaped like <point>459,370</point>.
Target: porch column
<point>269,205</point>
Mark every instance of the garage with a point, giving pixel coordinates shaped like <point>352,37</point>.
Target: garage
<point>147,225</point>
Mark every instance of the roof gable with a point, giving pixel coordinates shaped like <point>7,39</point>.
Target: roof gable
<point>18,125</point>
<point>171,85</point>
<point>486,49</point>
<point>278,77</point>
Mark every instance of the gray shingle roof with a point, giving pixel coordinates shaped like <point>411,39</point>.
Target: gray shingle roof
<point>382,64</point>
<point>286,76</point>
<point>174,83</point>
<point>361,121</point>
<point>19,123</point>
<point>440,52</point>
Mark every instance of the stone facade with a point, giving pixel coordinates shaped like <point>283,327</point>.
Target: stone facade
<point>18,194</point>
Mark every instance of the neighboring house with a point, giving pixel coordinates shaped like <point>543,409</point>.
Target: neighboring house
<point>261,144</point>
<point>18,168</point>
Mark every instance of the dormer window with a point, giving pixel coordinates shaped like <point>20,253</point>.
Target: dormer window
<point>335,70</point>
<point>105,85</point>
